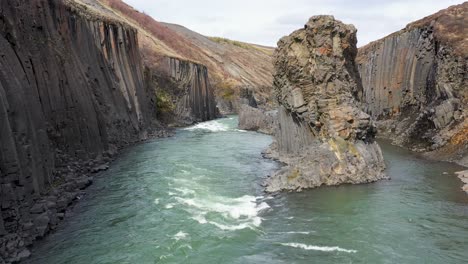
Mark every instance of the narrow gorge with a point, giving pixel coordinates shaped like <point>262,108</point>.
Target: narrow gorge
<point>73,92</point>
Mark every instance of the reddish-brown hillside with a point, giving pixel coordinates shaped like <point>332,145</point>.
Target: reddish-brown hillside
<point>230,63</point>
<point>449,25</point>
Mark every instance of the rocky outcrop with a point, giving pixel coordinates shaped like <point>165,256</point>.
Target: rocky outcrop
<point>323,136</point>
<point>71,94</point>
<point>415,84</point>
<point>463,176</point>
<point>255,118</point>
<point>188,88</point>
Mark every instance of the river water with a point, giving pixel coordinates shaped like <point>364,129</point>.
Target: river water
<point>196,198</point>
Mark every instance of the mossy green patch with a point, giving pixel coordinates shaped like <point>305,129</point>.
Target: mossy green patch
<point>164,102</point>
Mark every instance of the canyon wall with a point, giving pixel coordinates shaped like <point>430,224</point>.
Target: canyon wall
<point>232,65</point>
<point>188,87</point>
<point>415,84</point>
<point>322,136</point>
<point>71,93</point>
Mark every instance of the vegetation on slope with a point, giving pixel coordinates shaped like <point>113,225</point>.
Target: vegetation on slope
<point>243,45</point>
<point>244,63</point>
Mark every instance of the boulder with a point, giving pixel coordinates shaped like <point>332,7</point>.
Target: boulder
<point>256,119</point>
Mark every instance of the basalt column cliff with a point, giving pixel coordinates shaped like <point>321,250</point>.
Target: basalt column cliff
<point>323,136</point>
<point>415,84</point>
<point>187,86</point>
<point>71,93</point>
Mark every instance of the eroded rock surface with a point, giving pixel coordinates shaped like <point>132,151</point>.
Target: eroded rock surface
<point>463,176</point>
<point>189,93</point>
<point>71,94</point>
<point>256,119</point>
<point>254,116</point>
<point>415,84</point>
<point>323,136</point>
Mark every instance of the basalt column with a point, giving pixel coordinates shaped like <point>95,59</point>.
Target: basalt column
<point>71,93</point>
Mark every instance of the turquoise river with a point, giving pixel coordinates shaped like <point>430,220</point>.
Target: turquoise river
<point>197,198</point>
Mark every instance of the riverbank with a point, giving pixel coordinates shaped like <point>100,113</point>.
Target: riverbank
<point>69,187</point>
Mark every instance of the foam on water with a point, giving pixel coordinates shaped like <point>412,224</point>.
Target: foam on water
<point>180,235</point>
<point>318,248</point>
<point>256,221</point>
<point>295,232</point>
<point>213,126</point>
<point>239,213</point>
<point>235,208</point>
<point>185,191</point>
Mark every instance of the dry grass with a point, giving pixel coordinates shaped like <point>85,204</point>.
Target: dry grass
<point>450,27</point>
<point>229,61</point>
<point>243,45</point>
<point>153,29</point>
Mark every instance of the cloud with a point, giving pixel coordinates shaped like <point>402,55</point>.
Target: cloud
<point>266,21</point>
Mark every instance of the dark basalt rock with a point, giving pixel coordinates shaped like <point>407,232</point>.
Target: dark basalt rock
<point>257,119</point>
<point>415,85</point>
<point>188,87</point>
<point>253,116</point>
<point>71,94</point>
<point>322,136</point>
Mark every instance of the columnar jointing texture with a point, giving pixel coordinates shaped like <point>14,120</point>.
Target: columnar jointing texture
<point>198,101</point>
<point>415,84</point>
<point>323,136</point>
<point>71,89</point>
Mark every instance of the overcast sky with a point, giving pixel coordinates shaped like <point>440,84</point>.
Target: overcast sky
<point>266,21</point>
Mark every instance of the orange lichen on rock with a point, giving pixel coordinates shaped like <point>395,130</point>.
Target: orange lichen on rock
<point>324,50</point>
<point>461,137</point>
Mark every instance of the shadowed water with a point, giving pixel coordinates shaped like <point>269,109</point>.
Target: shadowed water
<point>196,198</point>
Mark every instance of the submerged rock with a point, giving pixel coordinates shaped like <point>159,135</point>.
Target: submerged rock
<point>322,136</point>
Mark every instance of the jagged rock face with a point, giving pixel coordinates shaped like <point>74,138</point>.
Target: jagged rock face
<point>193,95</point>
<point>256,119</point>
<point>415,84</point>
<point>71,92</point>
<point>323,136</point>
